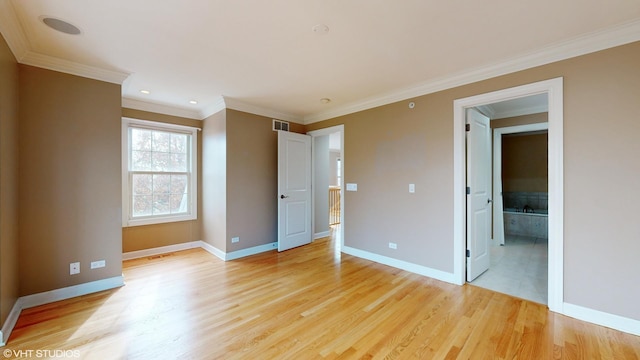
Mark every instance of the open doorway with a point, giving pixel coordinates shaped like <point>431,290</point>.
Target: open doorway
<point>519,249</point>
<point>553,91</point>
<point>328,196</point>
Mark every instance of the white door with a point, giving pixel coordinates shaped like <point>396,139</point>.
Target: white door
<point>478,193</point>
<point>294,190</point>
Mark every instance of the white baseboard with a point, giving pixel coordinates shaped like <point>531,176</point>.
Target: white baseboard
<point>213,250</point>
<point>321,234</point>
<point>10,322</point>
<point>400,264</point>
<point>251,251</point>
<point>616,322</point>
<point>47,297</point>
<point>160,250</point>
<point>238,253</point>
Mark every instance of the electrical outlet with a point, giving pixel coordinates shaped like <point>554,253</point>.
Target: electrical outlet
<point>412,188</point>
<point>98,264</point>
<point>235,239</point>
<point>74,268</point>
<point>393,245</point>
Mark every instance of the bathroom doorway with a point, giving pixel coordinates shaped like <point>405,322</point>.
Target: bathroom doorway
<point>553,89</point>
<point>519,252</point>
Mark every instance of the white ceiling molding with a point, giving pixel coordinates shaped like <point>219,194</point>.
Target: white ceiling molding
<point>596,41</point>
<point>258,110</point>
<point>216,106</point>
<point>73,68</point>
<point>19,45</point>
<point>487,110</point>
<point>520,111</point>
<point>160,108</point>
<point>12,30</point>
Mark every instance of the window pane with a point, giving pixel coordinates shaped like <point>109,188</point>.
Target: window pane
<point>179,184</point>
<point>179,143</point>
<point>142,184</point>
<point>142,205</point>
<point>161,141</point>
<point>178,203</point>
<point>161,161</point>
<point>178,163</point>
<point>140,139</point>
<point>140,160</point>
<point>161,184</point>
<point>161,204</point>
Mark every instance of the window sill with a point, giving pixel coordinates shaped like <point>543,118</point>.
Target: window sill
<point>158,220</point>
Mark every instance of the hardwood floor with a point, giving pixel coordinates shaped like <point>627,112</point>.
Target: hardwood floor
<point>306,303</point>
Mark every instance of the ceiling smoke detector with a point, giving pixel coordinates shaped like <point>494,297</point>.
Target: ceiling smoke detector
<point>60,25</point>
<point>325,100</point>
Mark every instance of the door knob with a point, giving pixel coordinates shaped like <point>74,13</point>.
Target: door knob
<point>489,201</point>
<point>283,197</point>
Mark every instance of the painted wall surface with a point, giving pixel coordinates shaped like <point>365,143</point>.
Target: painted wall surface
<point>390,146</point>
<point>524,162</point>
<point>8,180</point>
<point>214,180</point>
<point>252,180</point>
<point>70,179</point>
<point>333,168</point>
<point>150,236</point>
<point>321,167</point>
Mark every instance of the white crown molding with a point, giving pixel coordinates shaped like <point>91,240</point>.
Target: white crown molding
<point>136,104</point>
<point>581,45</point>
<point>73,68</point>
<point>12,30</point>
<point>215,107</point>
<point>258,110</point>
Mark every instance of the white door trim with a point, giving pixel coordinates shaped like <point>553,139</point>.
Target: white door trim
<point>553,88</point>
<point>498,218</point>
<point>322,132</point>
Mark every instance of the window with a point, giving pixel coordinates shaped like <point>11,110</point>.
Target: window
<point>159,177</point>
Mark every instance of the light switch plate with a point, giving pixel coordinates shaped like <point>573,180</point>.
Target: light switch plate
<point>352,187</point>
<point>412,188</point>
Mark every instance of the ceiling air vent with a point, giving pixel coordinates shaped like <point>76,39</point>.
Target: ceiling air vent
<point>279,125</point>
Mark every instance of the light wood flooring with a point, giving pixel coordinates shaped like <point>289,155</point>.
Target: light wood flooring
<point>307,303</point>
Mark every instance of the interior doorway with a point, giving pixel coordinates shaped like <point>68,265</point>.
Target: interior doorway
<point>519,251</point>
<point>327,177</point>
<point>552,89</point>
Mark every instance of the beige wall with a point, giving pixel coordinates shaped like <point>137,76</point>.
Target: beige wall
<point>214,180</point>
<point>524,162</point>
<point>252,180</point>
<point>70,179</point>
<point>150,236</point>
<point>388,147</point>
<point>8,180</point>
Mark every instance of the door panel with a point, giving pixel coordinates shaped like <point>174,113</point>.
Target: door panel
<point>479,197</point>
<point>294,190</point>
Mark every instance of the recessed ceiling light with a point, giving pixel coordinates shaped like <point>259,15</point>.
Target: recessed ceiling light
<point>60,25</point>
<point>320,29</point>
<point>146,92</point>
<point>325,100</point>
<point>193,102</point>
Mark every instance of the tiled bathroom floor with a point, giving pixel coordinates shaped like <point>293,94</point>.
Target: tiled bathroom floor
<point>518,268</point>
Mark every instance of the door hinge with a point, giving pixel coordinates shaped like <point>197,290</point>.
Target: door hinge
<point>468,253</point>
<point>468,190</point>
<point>467,127</point>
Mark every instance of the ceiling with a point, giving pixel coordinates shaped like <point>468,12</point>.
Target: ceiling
<point>266,57</point>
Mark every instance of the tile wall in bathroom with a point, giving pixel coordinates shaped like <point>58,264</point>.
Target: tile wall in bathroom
<point>518,199</point>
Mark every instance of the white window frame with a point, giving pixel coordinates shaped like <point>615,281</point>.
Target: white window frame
<point>192,211</point>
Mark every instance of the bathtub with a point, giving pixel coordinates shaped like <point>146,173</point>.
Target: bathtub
<point>518,223</point>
